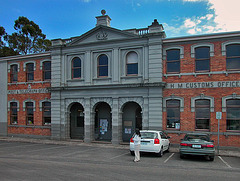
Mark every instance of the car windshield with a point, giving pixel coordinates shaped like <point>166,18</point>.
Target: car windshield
<point>148,135</point>
<point>196,138</point>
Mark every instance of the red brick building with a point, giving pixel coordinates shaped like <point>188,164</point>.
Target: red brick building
<point>29,105</point>
<point>202,77</point>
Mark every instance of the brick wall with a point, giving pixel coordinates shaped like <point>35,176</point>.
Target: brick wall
<point>38,128</point>
<point>187,118</point>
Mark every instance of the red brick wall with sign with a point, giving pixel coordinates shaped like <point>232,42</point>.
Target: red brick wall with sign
<point>187,118</point>
<point>38,128</point>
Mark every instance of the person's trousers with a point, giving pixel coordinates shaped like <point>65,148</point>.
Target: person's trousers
<point>137,153</point>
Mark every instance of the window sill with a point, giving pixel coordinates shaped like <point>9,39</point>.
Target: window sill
<point>131,77</point>
<point>202,130</point>
<point>102,78</point>
<point>75,80</point>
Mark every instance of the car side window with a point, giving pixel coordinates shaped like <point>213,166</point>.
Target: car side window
<point>163,136</point>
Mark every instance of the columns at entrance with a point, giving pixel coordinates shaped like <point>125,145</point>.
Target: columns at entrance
<point>89,117</point>
<point>145,112</point>
<point>116,123</point>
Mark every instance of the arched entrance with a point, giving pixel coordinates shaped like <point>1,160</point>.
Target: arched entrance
<point>103,122</point>
<point>77,121</point>
<point>131,119</point>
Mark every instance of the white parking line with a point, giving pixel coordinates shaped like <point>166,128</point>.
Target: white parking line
<point>119,155</point>
<point>168,158</point>
<point>224,162</point>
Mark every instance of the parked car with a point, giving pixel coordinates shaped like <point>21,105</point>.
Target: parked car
<point>197,144</point>
<point>152,141</point>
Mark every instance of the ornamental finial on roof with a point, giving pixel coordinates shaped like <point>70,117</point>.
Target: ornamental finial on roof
<point>103,12</point>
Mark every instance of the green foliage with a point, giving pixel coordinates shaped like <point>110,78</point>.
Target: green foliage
<point>28,37</point>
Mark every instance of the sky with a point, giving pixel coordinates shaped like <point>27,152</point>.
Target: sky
<point>70,18</point>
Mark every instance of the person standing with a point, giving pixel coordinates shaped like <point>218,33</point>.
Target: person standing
<point>137,144</point>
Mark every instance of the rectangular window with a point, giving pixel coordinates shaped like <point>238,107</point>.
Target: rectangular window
<point>14,73</point>
<point>173,114</point>
<point>30,72</point>
<point>13,113</point>
<point>233,114</point>
<point>29,113</point>
<point>46,113</point>
<point>233,57</point>
<point>47,70</point>
<point>202,114</point>
<point>202,59</point>
<point>173,61</point>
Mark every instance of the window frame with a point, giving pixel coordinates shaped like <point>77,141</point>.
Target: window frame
<point>179,112</point>
<point>100,66</point>
<point>197,107</point>
<point>44,71</point>
<point>230,119</point>
<point>202,59</point>
<point>29,72</point>
<point>13,117</point>
<point>44,107</point>
<point>13,73</point>
<point>231,57</point>
<point>173,61</point>
<point>136,64</point>
<point>28,109</point>
<point>76,68</point>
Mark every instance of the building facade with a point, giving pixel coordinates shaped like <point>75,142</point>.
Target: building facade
<point>104,84</point>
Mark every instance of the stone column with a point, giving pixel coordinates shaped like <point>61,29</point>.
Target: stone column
<point>115,122</point>
<point>88,123</point>
<point>145,111</point>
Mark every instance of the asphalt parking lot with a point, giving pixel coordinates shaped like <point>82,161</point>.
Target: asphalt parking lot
<point>38,161</point>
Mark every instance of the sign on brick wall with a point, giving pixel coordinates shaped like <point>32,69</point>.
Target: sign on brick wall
<point>194,85</point>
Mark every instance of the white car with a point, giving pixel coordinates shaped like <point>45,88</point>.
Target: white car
<point>152,141</point>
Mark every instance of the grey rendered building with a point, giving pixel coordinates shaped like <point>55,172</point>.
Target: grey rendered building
<point>106,83</point>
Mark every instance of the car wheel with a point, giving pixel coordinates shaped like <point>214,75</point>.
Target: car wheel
<point>211,158</point>
<point>160,154</point>
<point>132,153</point>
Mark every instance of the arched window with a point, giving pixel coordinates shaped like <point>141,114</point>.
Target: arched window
<point>173,61</point>
<point>233,56</point>
<point>132,64</point>
<point>47,70</point>
<point>76,68</point>
<point>202,59</point>
<point>102,66</point>
<point>30,71</point>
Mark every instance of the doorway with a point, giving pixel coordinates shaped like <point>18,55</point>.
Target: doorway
<point>77,121</point>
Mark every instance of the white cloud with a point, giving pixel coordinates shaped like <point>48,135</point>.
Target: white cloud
<point>188,23</point>
<point>226,14</point>
<point>209,16</point>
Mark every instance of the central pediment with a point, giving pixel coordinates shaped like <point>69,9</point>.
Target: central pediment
<point>101,33</point>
